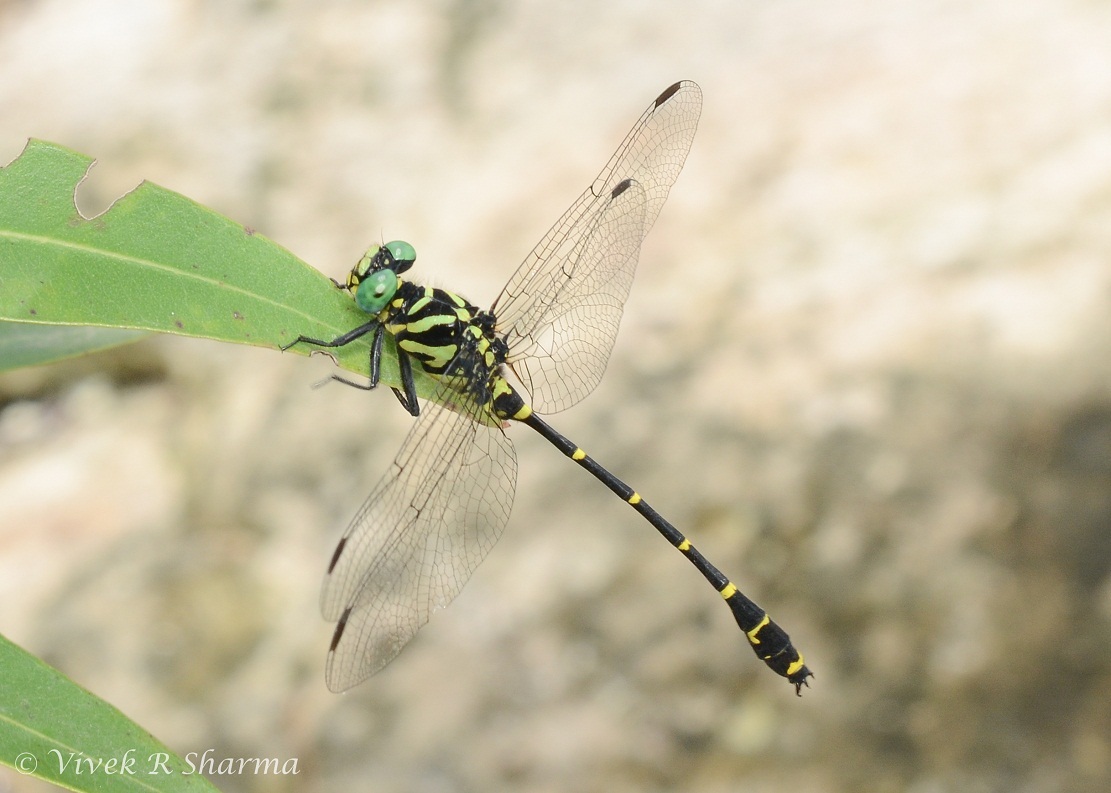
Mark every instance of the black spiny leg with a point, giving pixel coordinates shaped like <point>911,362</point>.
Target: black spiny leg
<point>408,400</point>
<point>338,341</point>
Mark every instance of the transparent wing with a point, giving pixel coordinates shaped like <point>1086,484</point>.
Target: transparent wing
<point>584,265</point>
<point>564,356</point>
<point>430,520</point>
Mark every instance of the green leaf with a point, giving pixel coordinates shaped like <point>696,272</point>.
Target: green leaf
<point>28,344</point>
<point>157,261</point>
<point>55,730</point>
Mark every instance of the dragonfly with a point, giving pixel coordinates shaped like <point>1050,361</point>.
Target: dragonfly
<point>445,500</point>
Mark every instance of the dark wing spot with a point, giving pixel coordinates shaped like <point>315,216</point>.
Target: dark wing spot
<point>667,94</point>
<point>620,188</point>
<point>335,556</point>
<point>339,629</point>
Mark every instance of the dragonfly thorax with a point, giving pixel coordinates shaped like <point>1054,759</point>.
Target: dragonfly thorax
<point>431,325</point>
<point>454,341</point>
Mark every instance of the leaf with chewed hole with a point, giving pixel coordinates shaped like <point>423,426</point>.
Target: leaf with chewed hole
<point>157,261</point>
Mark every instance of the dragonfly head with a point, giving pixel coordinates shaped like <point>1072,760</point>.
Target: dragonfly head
<point>375,279</point>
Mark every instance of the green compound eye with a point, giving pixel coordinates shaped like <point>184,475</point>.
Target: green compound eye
<point>403,255</point>
<point>376,290</point>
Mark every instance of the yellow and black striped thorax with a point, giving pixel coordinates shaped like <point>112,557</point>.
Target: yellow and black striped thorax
<point>433,326</point>
<point>453,340</point>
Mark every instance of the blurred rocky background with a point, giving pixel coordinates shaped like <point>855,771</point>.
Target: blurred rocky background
<point>866,365</point>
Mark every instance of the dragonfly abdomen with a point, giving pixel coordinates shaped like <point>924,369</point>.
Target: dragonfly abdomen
<point>770,642</point>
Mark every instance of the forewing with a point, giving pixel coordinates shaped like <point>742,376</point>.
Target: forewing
<point>652,156</point>
<point>562,358</point>
<point>431,519</point>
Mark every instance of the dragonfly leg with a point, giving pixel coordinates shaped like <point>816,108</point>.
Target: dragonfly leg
<point>408,400</point>
<point>338,341</point>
